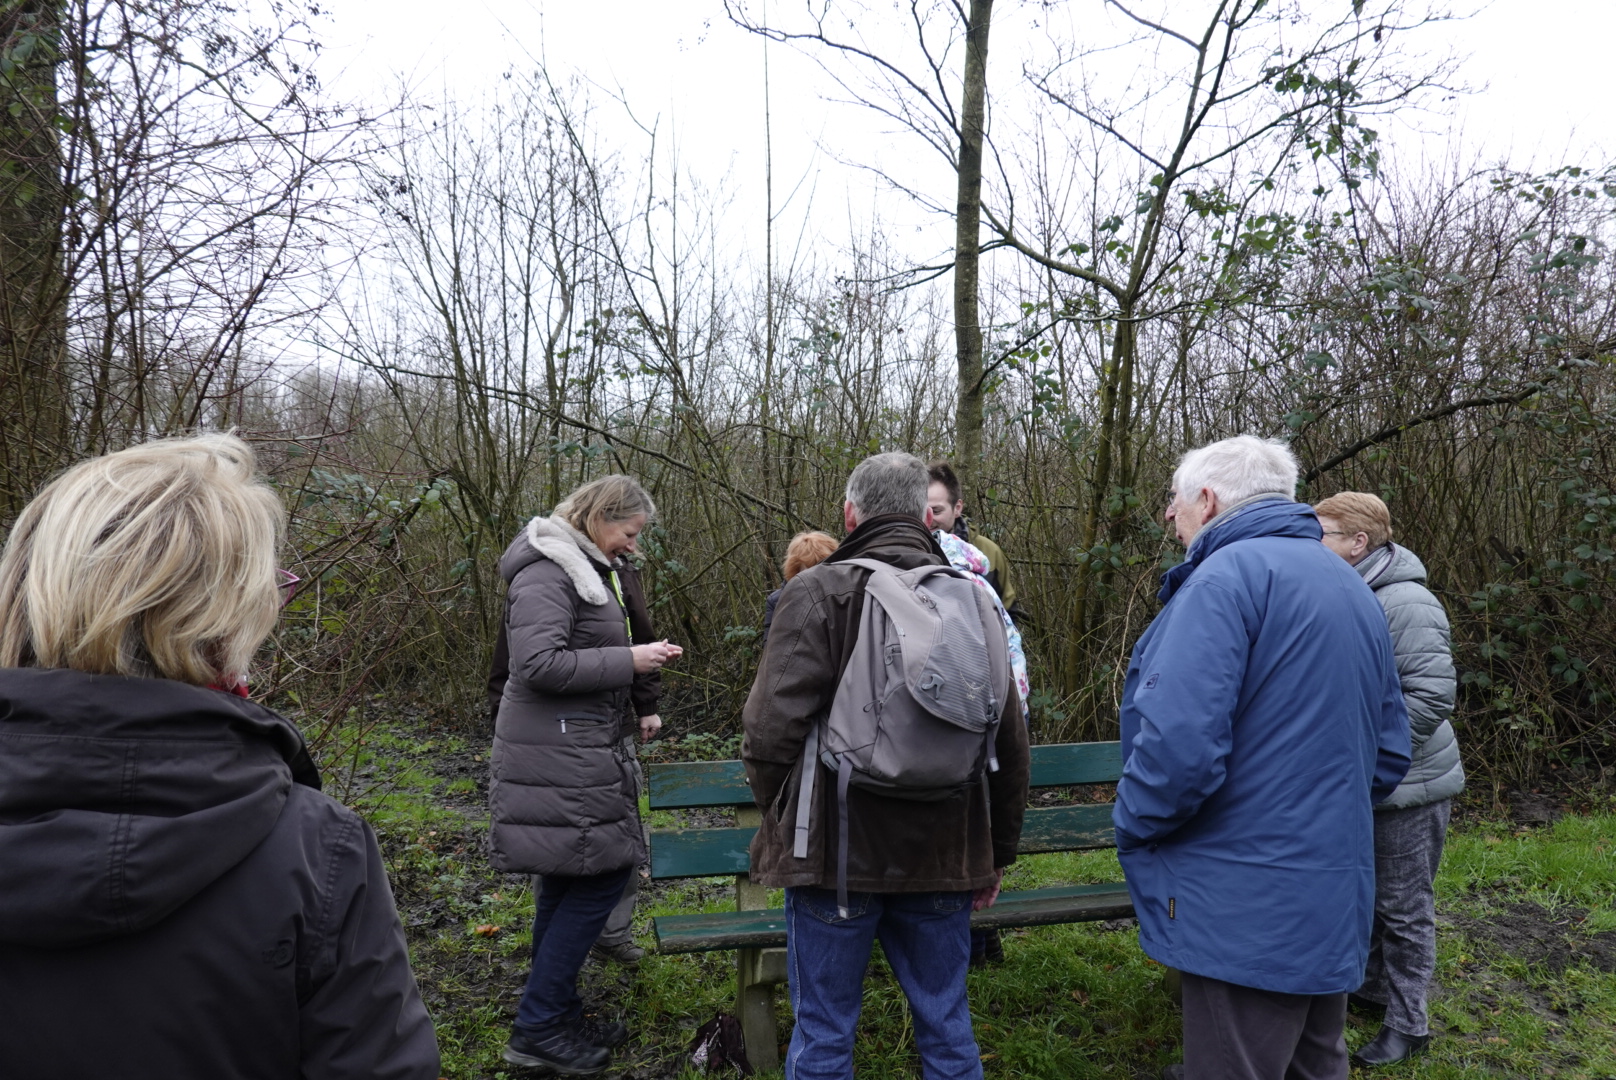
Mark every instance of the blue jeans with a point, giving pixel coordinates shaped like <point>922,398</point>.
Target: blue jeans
<point>926,938</point>
<point>567,919</point>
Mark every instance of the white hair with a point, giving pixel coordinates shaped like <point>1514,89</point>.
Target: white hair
<point>1238,469</point>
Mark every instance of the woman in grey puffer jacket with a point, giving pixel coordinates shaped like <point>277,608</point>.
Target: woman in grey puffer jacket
<point>563,794</point>
<point>1411,825</point>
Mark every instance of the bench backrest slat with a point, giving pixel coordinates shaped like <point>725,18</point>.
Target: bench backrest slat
<point>677,853</point>
<point>687,785</point>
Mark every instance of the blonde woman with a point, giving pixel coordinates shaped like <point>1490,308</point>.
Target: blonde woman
<point>1412,825</point>
<point>564,794</point>
<point>179,899</point>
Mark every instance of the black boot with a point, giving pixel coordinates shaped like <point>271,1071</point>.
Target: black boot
<point>1390,1047</point>
<point>607,1033</point>
<point>992,946</point>
<point>559,1049</point>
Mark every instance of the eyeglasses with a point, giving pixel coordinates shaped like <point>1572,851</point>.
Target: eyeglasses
<point>287,586</point>
<point>1338,532</point>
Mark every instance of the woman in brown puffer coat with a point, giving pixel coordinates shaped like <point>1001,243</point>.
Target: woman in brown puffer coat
<point>563,796</point>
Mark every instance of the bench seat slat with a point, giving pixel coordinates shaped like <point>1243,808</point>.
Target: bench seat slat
<point>677,853</point>
<point>686,785</point>
<point>767,929</point>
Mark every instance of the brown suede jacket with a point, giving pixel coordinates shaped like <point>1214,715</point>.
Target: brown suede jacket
<point>895,845</point>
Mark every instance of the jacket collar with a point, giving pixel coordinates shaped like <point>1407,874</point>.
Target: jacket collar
<point>1263,515</point>
<point>889,531</point>
<point>573,551</point>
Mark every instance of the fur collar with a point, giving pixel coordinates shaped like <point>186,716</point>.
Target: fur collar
<point>571,550</point>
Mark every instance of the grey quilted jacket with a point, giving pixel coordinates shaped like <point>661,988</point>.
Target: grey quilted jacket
<point>563,794</point>
<point>1424,652</point>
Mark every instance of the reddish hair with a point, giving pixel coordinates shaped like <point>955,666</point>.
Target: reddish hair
<point>807,549</point>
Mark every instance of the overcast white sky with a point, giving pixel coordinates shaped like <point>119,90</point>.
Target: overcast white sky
<point>1541,67</point>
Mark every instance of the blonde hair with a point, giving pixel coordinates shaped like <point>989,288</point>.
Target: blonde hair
<point>1359,512</point>
<point>158,560</point>
<point>807,549</point>
<point>605,501</point>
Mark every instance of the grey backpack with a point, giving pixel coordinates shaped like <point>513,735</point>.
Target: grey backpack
<point>916,713</point>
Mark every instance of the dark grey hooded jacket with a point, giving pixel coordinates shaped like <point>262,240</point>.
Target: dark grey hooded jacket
<point>178,901</point>
<point>1424,650</point>
<point>563,795</point>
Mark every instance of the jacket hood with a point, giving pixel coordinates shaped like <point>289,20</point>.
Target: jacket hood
<point>122,798</point>
<point>1266,515</point>
<point>552,538</point>
<point>1390,564</point>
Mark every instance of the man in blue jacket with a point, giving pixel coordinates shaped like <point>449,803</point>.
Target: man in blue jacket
<point>1261,720</point>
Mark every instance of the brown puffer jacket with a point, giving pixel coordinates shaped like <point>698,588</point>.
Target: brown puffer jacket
<point>563,797</point>
<point>894,845</point>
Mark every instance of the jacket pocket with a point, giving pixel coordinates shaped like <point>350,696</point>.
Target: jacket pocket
<point>587,728</point>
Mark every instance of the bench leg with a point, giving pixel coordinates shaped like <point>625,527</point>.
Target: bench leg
<point>758,972</point>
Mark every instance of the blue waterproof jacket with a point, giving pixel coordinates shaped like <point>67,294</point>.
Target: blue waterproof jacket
<point>1261,719</point>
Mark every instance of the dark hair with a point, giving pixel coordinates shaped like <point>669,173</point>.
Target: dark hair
<point>941,472</point>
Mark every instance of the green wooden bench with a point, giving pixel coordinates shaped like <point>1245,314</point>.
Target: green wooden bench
<point>757,931</point>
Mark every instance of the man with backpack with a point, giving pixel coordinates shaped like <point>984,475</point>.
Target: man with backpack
<point>884,745</point>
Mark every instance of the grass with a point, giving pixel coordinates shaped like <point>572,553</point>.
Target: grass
<point>1526,953</point>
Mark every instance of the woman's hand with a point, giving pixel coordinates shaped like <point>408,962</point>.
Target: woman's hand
<point>649,658</point>
<point>649,726</point>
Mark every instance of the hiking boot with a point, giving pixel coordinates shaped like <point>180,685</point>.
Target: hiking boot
<point>1390,1047</point>
<point>560,1050</point>
<point>624,952</point>
<point>606,1033</point>
<point>992,946</point>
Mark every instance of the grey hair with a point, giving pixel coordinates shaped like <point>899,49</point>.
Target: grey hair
<point>1238,469</point>
<point>894,483</point>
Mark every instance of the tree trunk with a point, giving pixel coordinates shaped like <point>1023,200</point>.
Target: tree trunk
<point>967,252</point>
<point>34,394</point>
<point>1104,517</point>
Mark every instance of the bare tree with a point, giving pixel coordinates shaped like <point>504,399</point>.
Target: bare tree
<point>172,168</point>
<point>921,96</point>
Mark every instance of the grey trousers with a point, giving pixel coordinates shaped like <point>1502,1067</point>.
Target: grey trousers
<point>1239,1033</point>
<point>1402,951</point>
<point>619,928</point>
